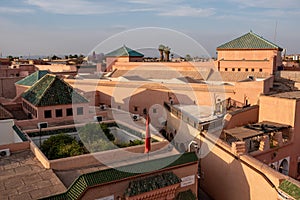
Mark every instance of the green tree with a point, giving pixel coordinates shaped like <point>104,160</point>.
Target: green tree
<point>188,57</point>
<point>96,137</point>
<point>167,51</point>
<point>161,49</point>
<point>61,146</point>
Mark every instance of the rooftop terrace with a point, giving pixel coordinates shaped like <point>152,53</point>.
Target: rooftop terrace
<point>22,176</point>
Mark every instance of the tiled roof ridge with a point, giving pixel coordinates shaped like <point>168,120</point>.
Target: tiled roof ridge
<point>260,37</point>
<point>48,86</point>
<point>126,49</point>
<point>37,75</point>
<point>231,42</point>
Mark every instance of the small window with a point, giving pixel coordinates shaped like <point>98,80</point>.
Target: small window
<point>260,70</point>
<point>252,69</point>
<point>58,113</point>
<point>226,69</point>
<point>233,69</point>
<point>47,114</point>
<point>136,108</point>
<point>69,112</point>
<point>80,111</point>
<point>246,69</point>
<point>154,110</point>
<point>239,69</point>
<point>119,107</point>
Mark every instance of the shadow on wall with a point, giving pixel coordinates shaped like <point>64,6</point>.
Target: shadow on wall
<point>224,180</point>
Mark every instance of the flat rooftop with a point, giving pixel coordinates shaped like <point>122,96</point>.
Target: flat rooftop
<point>22,176</point>
<point>200,113</point>
<point>253,130</point>
<point>288,95</point>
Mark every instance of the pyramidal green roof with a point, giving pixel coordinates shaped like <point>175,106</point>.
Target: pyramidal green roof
<point>249,41</point>
<point>50,91</point>
<point>124,51</point>
<point>32,78</point>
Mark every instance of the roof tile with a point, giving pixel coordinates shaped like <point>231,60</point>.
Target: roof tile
<point>249,41</point>
<point>124,51</point>
<point>50,91</point>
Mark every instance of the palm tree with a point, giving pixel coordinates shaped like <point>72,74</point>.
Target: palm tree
<point>161,49</point>
<point>167,53</point>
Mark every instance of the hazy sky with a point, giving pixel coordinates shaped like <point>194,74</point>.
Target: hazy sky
<point>46,27</point>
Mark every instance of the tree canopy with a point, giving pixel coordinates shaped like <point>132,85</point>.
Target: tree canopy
<point>61,146</point>
<point>96,137</point>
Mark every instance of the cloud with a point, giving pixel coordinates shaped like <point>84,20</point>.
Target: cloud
<point>70,7</point>
<point>158,7</point>
<point>268,3</point>
<point>12,10</point>
<point>184,11</point>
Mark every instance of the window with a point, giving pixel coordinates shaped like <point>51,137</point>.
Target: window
<point>119,107</point>
<point>233,69</point>
<point>58,113</point>
<point>226,69</point>
<point>246,69</point>
<point>80,111</point>
<point>252,69</point>
<point>135,108</point>
<point>154,110</point>
<point>239,69</point>
<point>47,114</point>
<point>260,70</point>
<point>69,112</point>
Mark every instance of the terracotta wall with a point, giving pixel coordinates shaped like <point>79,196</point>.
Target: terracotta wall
<point>256,59</point>
<point>103,157</point>
<point>7,86</point>
<point>156,93</point>
<point>283,111</point>
<point>178,66</point>
<point>242,117</point>
<point>57,67</point>
<point>291,75</point>
<point>225,176</point>
<point>15,147</point>
<point>20,89</point>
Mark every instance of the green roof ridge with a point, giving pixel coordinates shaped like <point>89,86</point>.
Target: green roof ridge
<point>50,90</point>
<point>32,78</point>
<point>249,41</point>
<point>290,188</point>
<point>99,177</point>
<point>124,51</point>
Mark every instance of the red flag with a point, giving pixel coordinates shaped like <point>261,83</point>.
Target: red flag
<point>147,136</point>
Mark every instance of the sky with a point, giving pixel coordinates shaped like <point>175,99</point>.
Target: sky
<point>63,27</point>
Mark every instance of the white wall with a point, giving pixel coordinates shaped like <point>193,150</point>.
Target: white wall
<point>7,134</point>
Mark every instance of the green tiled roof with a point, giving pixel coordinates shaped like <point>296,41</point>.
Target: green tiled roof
<point>84,181</point>
<point>50,91</point>
<point>124,51</point>
<point>20,133</point>
<point>32,78</point>
<point>290,188</point>
<point>249,41</point>
<point>186,195</point>
<point>150,183</point>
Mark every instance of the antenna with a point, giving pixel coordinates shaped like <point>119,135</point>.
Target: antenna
<point>275,33</point>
